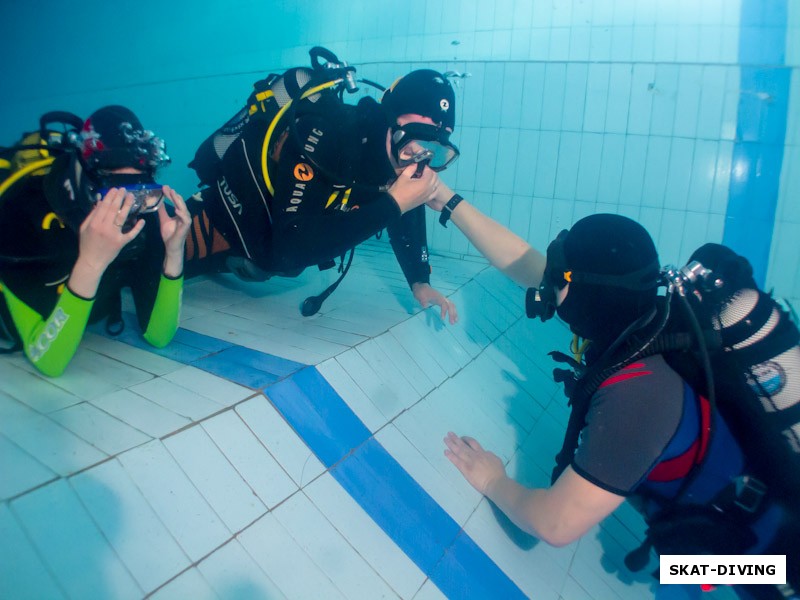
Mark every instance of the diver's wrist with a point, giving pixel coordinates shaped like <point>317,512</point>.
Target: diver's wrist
<point>173,266</point>
<point>447,210</point>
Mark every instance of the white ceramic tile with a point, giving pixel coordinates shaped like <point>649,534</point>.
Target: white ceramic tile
<point>388,367</point>
<point>250,459</point>
<point>130,355</point>
<point>252,317</point>
<point>232,573</point>
<point>130,525</point>
<point>284,561</point>
<point>343,382</point>
<point>531,566</point>
<point>429,591</point>
<point>572,590</point>
<point>312,328</point>
<point>452,345</point>
<point>280,440</point>
<point>52,445</point>
<point>215,478</point>
<point>545,441</point>
<point>100,429</point>
<point>21,471</point>
<point>404,363</point>
<point>86,384</point>
<point>467,339</point>
<point>177,399</point>
<point>525,371</point>
<point>75,551</point>
<point>504,289</point>
<point>106,369</point>
<point>494,394</point>
<point>494,307</point>
<point>587,577</point>
<point>209,386</point>
<point>22,573</point>
<point>243,333</point>
<point>603,555</point>
<point>387,399</point>
<point>189,584</point>
<point>423,352</point>
<point>363,534</point>
<point>182,509</point>
<point>441,481</point>
<point>366,324</point>
<point>141,413</point>
<point>456,406</point>
<point>33,389</point>
<point>343,565</point>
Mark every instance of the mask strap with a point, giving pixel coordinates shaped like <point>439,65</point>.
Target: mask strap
<point>643,279</point>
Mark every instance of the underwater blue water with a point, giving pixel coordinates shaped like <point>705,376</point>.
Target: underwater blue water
<point>678,113</point>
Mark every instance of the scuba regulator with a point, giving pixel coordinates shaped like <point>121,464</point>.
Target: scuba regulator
<point>337,68</point>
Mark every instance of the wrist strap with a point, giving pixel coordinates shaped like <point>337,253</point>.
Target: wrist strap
<point>448,209</point>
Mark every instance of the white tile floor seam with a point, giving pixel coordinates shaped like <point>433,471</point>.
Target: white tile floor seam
<point>181,483</point>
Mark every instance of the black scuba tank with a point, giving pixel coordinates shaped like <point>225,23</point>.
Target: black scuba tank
<point>756,368</point>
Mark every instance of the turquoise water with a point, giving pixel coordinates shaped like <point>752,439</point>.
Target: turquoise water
<point>190,473</point>
<point>677,113</point>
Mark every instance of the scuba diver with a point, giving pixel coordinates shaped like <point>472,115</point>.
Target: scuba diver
<point>83,220</point>
<point>638,430</point>
<point>298,177</point>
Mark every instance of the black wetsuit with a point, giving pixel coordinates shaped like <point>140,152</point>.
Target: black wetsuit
<point>311,219</point>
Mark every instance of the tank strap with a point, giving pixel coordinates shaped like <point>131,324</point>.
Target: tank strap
<point>785,418</point>
<point>784,337</point>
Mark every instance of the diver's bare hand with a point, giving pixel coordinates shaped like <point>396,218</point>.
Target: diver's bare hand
<point>410,192</point>
<point>442,197</point>
<point>481,468</point>
<point>101,240</point>
<point>174,229</point>
<point>426,296</point>
<point>101,236</point>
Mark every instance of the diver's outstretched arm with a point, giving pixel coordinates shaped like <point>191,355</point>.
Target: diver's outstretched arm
<point>505,249</point>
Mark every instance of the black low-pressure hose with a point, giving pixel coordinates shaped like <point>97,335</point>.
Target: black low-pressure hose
<point>312,304</point>
<point>705,357</point>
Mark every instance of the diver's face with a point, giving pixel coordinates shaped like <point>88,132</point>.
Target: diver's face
<point>409,148</point>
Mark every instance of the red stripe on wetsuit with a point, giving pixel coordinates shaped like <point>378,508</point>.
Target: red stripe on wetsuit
<point>678,466</point>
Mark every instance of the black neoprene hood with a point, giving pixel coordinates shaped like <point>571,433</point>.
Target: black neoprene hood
<point>423,92</point>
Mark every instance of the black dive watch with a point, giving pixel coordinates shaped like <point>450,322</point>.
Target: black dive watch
<point>448,209</point>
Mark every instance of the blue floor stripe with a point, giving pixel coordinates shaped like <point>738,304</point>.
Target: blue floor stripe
<point>757,157</point>
<point>318,415</point>
<point>397,503</point>
<point>388,494</point>
<point>247,367</point>
<point>186,347</point>
<point>372,477</point>
<point>464,572</point>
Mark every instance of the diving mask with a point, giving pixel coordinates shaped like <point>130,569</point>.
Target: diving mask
<point>147,197</point>
<point>542,301</point>
<point>416,143</point>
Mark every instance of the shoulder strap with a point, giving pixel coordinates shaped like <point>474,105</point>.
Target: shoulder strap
<point>291,104</point>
